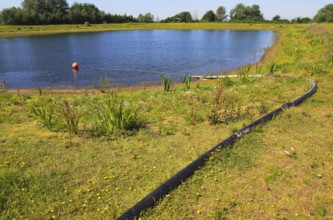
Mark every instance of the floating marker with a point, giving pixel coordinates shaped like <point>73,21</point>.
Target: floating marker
<point>75,66</point>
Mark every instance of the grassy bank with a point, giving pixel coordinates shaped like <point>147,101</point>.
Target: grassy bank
<point>21,31</point>
<point>282,170</point>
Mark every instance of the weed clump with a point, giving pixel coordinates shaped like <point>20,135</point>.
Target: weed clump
<point>44,114</point>
<point>186,81</point>
<point>72,119</point>
<point>116,117</point>
<point>103,85</point>
<point>166,83</point>
<point>243,74</point>
<point>226,107</point>
<point>3,85</point>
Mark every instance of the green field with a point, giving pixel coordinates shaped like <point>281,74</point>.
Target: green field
<point>281,170</point>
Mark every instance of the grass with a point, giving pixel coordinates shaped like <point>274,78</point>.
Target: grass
<point>44,114</point>
<point>102,176</point>
<point>20,31</point>
<point>187,81</point>
<point>166,83</point>
<point>281,170</point>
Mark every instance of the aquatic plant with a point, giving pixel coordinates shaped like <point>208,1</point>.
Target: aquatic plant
<point>187,81</point>
<point>166,83</point>
<point>103,85</point>
<point>3,85</point>
<point>40,91</point>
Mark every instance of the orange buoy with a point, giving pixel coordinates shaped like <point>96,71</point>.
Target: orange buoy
<point>75,66</point>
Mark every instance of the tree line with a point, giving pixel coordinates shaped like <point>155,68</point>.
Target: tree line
<point>43,12</point>
<point>249,14</point>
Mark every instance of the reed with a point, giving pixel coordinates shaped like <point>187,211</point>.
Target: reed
<point>166,83</point>
<point>187,81</point>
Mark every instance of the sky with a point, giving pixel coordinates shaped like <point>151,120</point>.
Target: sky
<point>287,9</point>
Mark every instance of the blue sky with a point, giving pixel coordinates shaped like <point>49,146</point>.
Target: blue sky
<point>288,9</point>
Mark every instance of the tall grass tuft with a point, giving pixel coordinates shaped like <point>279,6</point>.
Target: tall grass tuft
<point>226,107</point>
<point>312,68</point>
<point>166,83</point>
<point>243,73</point>
<point>258,69</point>
<point>192,117</point>
<point>229,82</point>
<point>103,85</point>
<point>3,85</point>
<point>72,119</point>
<point>40,91</point>
<point>187,81</point>
<point>117,118</point>
<point>330,60</point>
<point>272,68</point>
<point>44,115</point>
<point>214,117</point>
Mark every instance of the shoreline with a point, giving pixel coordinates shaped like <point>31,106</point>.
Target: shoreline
<point>169,131</point>
<point>44,30</point>
<point>157,26</point>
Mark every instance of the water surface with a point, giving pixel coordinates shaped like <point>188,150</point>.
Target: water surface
<point>126,57</point>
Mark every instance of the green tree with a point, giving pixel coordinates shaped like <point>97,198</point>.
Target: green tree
<point>300,20</point>
<point>32,9</point>
<point>255,13</point>
<point>185,17</point>
<point>44,11</point>
<point>11,16</point>
<point>276,18</point>
<point>221,14</point>
<point>35,12</point>
<point>325,14</point>
<point>86,12</point>
<point>209,16</point>
<point>238,13</point>
<point>109,18</point>
<point>146,18</point>
<point>246,13</point>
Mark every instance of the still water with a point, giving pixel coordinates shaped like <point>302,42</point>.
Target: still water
<point>126,57</point>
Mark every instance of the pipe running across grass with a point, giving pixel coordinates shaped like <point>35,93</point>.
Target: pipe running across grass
<point>165,188</point>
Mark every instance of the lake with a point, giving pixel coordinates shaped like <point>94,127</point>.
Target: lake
<point>126,57</point>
